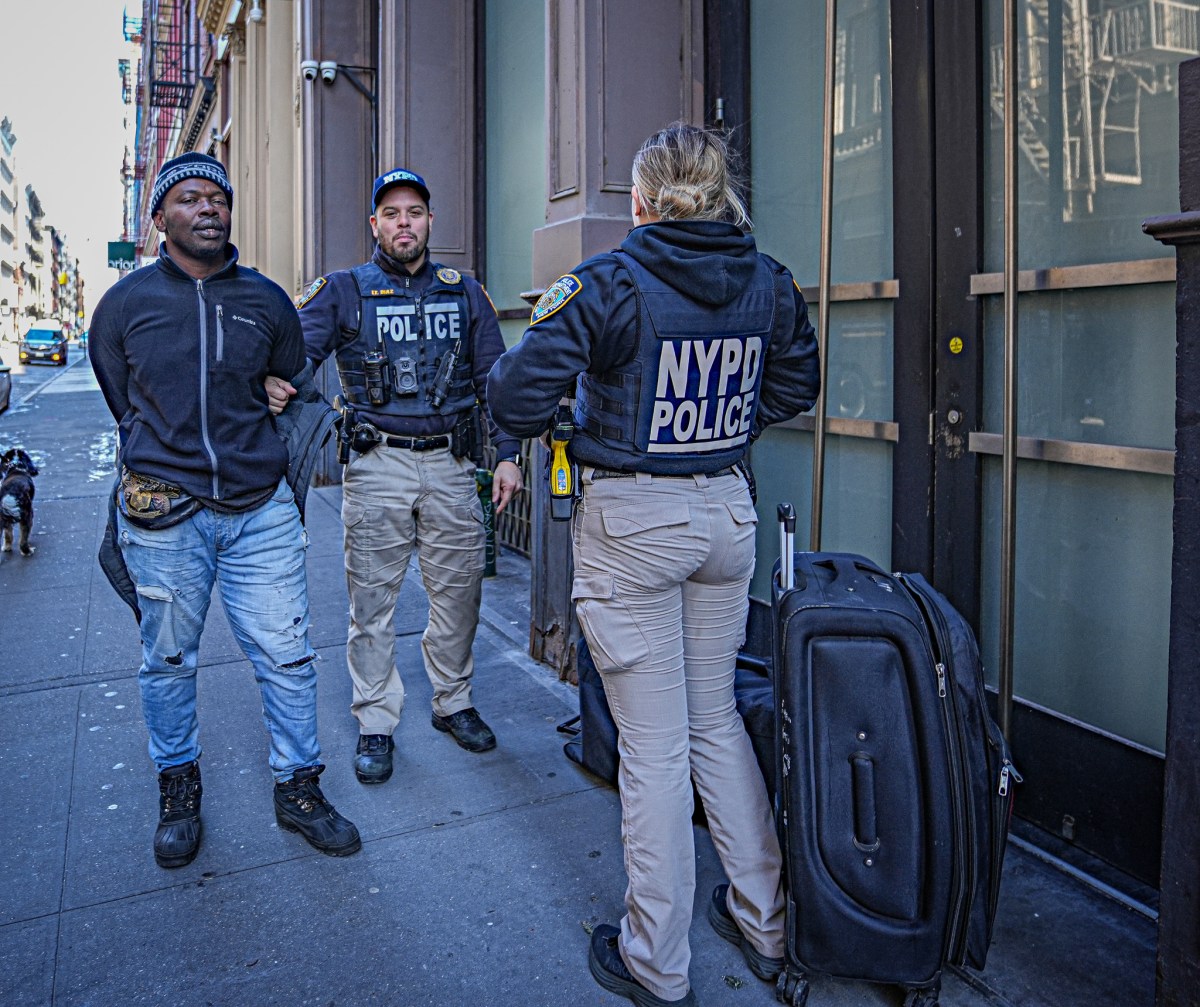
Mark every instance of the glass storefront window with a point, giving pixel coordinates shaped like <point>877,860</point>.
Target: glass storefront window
<point>857,514</point>
<point>787,62</point>
<point>1098,153</point>
<point>1093,594</point>
<point>1095,365</point>
<point>1098,130</point>
<point>787,81</point>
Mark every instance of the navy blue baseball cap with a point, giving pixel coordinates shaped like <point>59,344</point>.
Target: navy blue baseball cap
<point>400,176</point>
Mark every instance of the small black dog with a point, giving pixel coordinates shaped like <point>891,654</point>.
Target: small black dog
<point>16,499</point>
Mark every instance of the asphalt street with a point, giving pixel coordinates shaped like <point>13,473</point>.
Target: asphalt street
<point>480,876</point>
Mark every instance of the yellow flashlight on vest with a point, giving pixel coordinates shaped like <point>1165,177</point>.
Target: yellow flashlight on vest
<point>562,472</point>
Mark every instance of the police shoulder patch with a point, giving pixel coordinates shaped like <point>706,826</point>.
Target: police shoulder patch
<point>556,295</point>
<point>314,288</point>
<point>448,275</point>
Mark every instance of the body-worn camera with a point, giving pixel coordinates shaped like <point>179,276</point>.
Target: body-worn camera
<point>375,366</point>
<point>406,376</point>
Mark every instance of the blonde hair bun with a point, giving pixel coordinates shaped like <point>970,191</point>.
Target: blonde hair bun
<point>680,201</point>
<point>684,173</point>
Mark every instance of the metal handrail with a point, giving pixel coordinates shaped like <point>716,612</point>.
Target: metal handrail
<point>823,301</point>
<point>1008,508</point>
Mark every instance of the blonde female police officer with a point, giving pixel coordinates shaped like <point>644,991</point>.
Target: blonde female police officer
<point>679,347</point>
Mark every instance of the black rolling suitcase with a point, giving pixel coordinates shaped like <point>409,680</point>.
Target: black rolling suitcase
<point>895,783</point>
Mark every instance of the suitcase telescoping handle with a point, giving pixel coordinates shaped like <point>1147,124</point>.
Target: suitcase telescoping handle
<point>787,540</point>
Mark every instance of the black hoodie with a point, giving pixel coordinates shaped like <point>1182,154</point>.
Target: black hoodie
<point>588,322</point>
<point>181,363</point>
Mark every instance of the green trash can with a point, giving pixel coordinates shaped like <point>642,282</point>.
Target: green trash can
<point>483,485</point>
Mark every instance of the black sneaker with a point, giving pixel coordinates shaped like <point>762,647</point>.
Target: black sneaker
<point>301,807</point>
<point>373,758</point>
<point>468,729</point>
<point>608,969</point>
<point>767,969</point>
<point>177,838</point>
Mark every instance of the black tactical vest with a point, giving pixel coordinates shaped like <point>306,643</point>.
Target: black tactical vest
<point>414,330</point>
<point>686,402</point>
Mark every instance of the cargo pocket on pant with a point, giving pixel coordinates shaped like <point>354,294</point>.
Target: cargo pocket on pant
<point>357,541</point>
<point>614,637</point>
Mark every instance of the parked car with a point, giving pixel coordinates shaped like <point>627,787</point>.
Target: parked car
<point>5,384</point>
<point>44,341</point>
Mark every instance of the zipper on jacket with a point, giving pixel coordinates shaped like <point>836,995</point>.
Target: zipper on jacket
<point>204,435</point>
<point>220,334</point>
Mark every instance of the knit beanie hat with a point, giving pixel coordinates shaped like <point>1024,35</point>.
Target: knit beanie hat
<point>190,165</point>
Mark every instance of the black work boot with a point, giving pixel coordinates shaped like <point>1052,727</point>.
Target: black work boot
<point>610,971</point>
<point>301,807</point>
<point>468,729</point>
<point>177,838</point>
<point>373,758</point>
<point>722,921</point>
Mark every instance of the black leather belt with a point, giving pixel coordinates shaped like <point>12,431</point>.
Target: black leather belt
<point>417,443</point>
<point>611,474</point>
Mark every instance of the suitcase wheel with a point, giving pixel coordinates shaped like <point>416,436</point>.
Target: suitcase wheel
<point>921,998</point>
<point>791,988</point>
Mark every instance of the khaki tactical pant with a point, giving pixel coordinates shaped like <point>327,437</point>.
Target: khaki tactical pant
<point>395,500</point>
<point>662,571</point>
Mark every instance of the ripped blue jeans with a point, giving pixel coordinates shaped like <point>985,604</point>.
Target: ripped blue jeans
<point>256,559</point>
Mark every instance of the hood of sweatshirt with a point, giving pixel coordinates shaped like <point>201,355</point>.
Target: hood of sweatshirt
<point>707,260</point>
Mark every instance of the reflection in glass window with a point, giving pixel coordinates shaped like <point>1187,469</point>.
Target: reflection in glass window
<point>1098,107</point>
<point>787,81</point>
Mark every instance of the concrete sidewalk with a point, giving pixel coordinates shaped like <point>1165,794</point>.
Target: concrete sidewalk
<point>480,875</point>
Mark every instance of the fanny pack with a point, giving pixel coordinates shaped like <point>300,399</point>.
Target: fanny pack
<point>152,503</point>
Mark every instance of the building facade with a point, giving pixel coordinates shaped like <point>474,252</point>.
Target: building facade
<point>12,287</point>
<point>923,202</point>
<point>39,277</point>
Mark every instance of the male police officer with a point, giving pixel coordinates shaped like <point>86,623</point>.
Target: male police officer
<point>413,341</point>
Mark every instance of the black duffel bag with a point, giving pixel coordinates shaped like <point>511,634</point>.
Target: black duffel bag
<point>593,744</point>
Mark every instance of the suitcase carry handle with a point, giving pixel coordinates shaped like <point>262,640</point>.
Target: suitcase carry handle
<point>787,545</point>
<point>848,565</point>
<point>862,779</point>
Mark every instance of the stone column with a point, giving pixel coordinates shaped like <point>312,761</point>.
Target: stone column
<point>1178,969</point>
<point>617,71</point>
<point>277,82</point>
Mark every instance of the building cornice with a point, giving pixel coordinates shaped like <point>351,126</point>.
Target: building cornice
<point>214,14</point>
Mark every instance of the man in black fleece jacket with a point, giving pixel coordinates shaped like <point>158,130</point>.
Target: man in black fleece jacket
<point>181,349</point>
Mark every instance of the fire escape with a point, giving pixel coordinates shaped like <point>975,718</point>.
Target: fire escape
<point>167,79</point>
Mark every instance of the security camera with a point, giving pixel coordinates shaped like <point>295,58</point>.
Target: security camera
<point>328,71</point>
<point>308,69</point>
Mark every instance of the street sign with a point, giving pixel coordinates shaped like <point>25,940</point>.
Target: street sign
<point>121,255</point>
